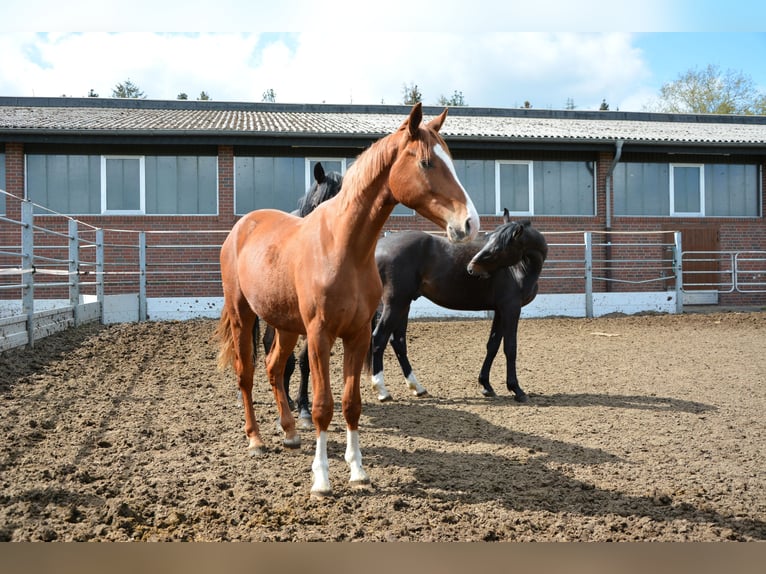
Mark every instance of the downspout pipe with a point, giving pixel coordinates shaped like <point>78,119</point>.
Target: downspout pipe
<point>608,225</point>
<point>615,161</point>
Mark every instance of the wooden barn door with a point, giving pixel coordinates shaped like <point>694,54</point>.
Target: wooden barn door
<point>700,269</point>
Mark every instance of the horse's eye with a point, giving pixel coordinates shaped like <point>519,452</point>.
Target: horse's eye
<point>426,164</point>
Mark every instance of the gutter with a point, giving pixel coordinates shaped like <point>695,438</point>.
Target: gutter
<point>608,225</point>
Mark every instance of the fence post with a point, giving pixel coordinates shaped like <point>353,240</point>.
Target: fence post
<point>28,268</point>
<point>588,238</point>
<point>74,268</point>
<point>142,276</point>
<point>100,272</point>
<point>678,271</point>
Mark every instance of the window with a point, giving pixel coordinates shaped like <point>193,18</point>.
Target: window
<point>123,188</point>
<point>268,182</point>
<point>152,185</point>
<point>185,185</point>
<point>546,187</point>
<point>687,190</point>
<point>514,186</point>
<point>732,190</point>
<point>277,182</point>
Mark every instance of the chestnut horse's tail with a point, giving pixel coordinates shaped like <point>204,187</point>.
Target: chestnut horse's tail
<point>225,338</point>
<point>226,341</point>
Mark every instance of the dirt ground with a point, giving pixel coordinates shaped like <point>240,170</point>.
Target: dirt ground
<point>638,428</point>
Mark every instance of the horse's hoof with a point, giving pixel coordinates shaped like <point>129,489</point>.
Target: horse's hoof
<point>489,393</point>
<point>364,484</point>
<point>292,443</point>
<point>321,494</point>
<point>256,451</point>
<point>522,398</point>
<point>385,398</point>
<point>305,423</point>
<point>423,393</point>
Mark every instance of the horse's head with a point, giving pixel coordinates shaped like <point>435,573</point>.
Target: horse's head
<point>325,186</point>
<point>423,178</point>
<point>505,247</point>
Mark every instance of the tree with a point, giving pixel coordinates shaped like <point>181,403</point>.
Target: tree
<point>570,105</point>
<point>712,91</point>
<point>182,96</point>
<point>128,90</point>
<point>411,94</point>
<point>269,96</point>
<point>457,99</point>
<point>204,96</point>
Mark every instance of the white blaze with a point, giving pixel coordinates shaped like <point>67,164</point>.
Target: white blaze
<point>472,213</point>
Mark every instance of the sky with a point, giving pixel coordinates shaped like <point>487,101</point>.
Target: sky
<point>495,53</point>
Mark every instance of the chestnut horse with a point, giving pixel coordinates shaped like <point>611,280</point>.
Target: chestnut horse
<point>316,276</point>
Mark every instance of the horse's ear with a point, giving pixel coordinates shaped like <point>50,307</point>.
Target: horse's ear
<point>319,172</point>
<point>437,122</point>
<point>518,229</point>
<point>506,215</point>
<point>412,123</point>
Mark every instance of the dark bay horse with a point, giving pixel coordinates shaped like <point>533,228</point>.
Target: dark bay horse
<point>498,274</point>
<point>325,186</point>
<point>316,276</point>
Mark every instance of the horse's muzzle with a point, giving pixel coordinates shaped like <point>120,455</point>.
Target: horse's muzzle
<point>465,232</point>
<point>474,271</point>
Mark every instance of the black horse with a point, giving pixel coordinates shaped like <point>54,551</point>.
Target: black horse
<point>325,186</point>
<point>499,273</point>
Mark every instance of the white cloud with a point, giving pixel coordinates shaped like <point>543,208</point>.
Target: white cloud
<point>490,69</point>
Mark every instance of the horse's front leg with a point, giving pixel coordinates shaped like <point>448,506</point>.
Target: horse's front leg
<point>509,347</point>
<point>493,346</point>
<point>276,360</point>
<point>354,354</point>
<point>319,345</point>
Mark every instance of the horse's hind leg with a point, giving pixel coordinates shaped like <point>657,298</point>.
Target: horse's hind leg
<point>242,324</point>
<point>393,314</point>
<point>509,347</point>
<point>304,412</point>
<point>493,345</point>
<point>399,345</point>
<point>275,369</point>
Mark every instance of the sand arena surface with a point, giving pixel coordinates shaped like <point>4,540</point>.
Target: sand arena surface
<point>638,428</point>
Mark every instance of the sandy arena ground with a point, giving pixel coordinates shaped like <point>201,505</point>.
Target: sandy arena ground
<point>638,428</point>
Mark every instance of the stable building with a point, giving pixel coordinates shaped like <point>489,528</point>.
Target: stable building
<point>184,171</point>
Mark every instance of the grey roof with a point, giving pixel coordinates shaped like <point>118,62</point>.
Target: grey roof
<point>92,116</point>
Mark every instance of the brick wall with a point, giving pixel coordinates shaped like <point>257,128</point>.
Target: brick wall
<point>165,278</point>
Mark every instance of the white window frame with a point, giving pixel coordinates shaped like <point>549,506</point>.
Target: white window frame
<point>310,174</point>
<point>701,170</point>
<point>141,184</point>
<point>531,190</point>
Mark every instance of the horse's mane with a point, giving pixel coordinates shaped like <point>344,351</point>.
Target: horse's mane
<point>527,271</point>
<point>376,159</point>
